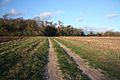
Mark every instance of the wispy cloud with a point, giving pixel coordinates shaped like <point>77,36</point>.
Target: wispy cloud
<point>113,15</point>
<point>12,13</point>
<point>60,11</point>
<point>15,13</point>
<point>80,19</point>
<point>46,15</point>
<point>50,15</point>
<point>3,3</point>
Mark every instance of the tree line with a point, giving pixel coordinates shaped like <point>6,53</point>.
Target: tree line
<point>31,27</point>
<point>36,27</point>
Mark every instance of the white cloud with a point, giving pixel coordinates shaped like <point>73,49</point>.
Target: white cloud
<point>46,15</point>
<point>113,15</point>
<point>49,15</point>
<point>59,11</point>
<point>12,13</point>
<point>80,19</point>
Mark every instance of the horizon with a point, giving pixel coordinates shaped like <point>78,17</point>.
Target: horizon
<point>93,15</point>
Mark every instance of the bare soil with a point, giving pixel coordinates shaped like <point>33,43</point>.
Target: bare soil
<point>8,38</point>
<point>53,70</point>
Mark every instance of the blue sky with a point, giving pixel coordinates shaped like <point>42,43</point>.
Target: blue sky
<point>93,15</point>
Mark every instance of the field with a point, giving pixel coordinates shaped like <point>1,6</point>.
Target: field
<point>5,38</point>
<point>102,53</point>
<point>60,58</point>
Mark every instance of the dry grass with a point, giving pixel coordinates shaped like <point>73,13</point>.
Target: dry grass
<point>100,52</point>
<point>103,43</point>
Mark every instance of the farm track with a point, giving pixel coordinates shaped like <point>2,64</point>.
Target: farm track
<point>53,69</point>
<point>92,73</point>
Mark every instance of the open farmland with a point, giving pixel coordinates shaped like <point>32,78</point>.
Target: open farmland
<point>102,53</point>
<point>104,43</point>
<point>23,59</point>
<point>59,39</point>
<point>60,58</point>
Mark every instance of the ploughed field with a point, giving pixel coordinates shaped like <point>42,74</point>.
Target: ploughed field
<point>59,58</point>
<point>5,38</point>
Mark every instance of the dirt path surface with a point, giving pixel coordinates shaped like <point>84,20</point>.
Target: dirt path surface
<point>53,71</point>
<point>92,73</point>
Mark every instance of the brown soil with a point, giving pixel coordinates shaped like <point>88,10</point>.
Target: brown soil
<point>53,70</point>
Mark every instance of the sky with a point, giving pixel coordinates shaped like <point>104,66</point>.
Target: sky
<point>94,15</point>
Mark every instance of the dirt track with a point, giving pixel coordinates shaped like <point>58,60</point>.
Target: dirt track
<point>53,70</point>
<point>92,73</point>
